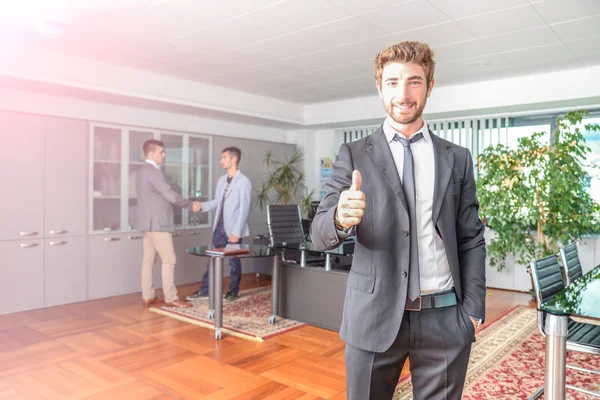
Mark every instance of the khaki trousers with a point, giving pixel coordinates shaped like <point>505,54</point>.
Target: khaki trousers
<point>161,243</point>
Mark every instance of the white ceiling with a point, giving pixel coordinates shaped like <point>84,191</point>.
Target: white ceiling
<point>309,51</point>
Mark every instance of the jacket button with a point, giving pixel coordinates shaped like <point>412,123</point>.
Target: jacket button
<point>405,233</point>
<point>404,274</point>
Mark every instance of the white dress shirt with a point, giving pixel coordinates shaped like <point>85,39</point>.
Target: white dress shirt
<point>434,269</point>
<point>152,162</point>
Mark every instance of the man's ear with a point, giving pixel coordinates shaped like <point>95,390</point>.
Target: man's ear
<point>378,86</point>
<point>430,87</point>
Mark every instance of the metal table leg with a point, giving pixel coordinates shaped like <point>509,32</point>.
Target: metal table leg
<point>218,291</point>
<point>211,288</point>
<point>274,290</point>
<point>302,258</point>
<point>556,357</point>
<point>327,262</point>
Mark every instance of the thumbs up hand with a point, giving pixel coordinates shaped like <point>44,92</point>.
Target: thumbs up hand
<point>351,206</point>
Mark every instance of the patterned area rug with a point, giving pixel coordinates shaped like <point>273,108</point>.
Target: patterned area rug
<point>507,362</point>
<point>246,317</point>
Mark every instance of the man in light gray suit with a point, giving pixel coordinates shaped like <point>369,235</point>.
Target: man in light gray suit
<point>155,219</point>
<point>416,288</point>
<point>232,203</point>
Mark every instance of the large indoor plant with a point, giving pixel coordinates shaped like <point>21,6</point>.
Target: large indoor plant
<point>284,183</point>
<point>534,197</point>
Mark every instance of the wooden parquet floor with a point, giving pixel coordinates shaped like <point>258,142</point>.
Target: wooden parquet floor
<point>115,348</point>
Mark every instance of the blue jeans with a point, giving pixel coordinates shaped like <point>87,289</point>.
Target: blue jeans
<point>220,239</point>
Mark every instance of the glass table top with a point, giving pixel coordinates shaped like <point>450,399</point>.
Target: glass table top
<point>581,298</point>
<point>255,251</point>
<point>345,248</point>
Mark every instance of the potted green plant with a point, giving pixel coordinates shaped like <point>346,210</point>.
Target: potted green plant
<point>284,184</point>
<point>534,197</point>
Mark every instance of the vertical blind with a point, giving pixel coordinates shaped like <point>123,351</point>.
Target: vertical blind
<point>474,134</point>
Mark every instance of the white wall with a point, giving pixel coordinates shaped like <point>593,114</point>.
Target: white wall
<point>74,72</point>
<point>316,144</point>
<point>35,103</point>
<point>524,92</point>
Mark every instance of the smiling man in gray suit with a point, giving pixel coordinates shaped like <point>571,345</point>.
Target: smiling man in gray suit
<point>232,204</point>
<point>154,214</point>
<point>416,288</point>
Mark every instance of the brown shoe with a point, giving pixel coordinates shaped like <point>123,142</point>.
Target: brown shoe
<point>148,302</point>
<point>179,304</point>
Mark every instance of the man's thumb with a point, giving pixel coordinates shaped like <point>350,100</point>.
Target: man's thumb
<point>356,180</point>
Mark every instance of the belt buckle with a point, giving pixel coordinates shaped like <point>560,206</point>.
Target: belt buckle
<point>414,305</point>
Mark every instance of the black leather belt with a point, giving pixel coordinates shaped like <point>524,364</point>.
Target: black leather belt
<point>447,298</point>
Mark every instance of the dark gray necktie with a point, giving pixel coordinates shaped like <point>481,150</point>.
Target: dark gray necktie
<point>408,181</point>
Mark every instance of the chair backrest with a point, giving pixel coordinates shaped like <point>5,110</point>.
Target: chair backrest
<point>570,260</point>
<point>285,224</point>
<point>547,278</point>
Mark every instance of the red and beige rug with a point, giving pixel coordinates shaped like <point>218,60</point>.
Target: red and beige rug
<point>246,317</point>
<point>507,362</point>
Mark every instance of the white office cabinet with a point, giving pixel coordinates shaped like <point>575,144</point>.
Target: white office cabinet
<point>22,176</point>
<point>179,245</point>
<point>134,253</point>
<point>65,177</point>
<point>195,266</point>
<point>106,260</point>
<point>21,275</point>
<point>65,270</point>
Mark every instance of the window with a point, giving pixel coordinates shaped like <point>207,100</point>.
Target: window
<point>592,163</point>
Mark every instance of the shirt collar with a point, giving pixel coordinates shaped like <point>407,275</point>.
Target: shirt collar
<point>152,162</point>
<point>391,132</point>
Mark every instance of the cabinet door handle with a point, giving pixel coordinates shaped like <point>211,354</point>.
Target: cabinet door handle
<point>177,234</point>
<point>194,233</point>
<point>61,232</point>
<point>28,233</point>
<point>135,237</point>
<point>107,229</point>
<point>57,243</point>
<point>111,239</point>
<point>28,245</point>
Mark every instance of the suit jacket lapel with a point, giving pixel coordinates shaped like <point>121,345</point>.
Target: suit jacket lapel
<point>444,162</point>
<point>379,150</point>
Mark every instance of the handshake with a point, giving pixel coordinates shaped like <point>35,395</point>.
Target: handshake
<point>196,206</point>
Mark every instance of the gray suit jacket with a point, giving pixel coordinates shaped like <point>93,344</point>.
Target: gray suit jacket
<point>156,199</point>
<point>376,291</point>
<point>236,207</point>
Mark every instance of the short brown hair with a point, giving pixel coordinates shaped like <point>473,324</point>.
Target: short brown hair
<point>151,145</point>
<point>406,52</point>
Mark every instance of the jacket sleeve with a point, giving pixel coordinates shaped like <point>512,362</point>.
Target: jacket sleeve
<point>471,245</point>
<point>323,232</point>
<point>160,184</point>
<point>214,203</point>
<point>243,209</point>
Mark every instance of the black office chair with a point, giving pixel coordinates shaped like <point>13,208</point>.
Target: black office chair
<point>570,261</point>
<point>585,338</point>
<point>285,230</point>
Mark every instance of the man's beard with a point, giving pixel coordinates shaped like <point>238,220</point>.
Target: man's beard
<point>406,119</point>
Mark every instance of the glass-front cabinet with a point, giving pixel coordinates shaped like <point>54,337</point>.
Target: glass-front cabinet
<point>173,169</point>
<point>117,157</point>
<point>106,179</point>
<point>199,177</point>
